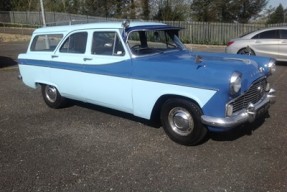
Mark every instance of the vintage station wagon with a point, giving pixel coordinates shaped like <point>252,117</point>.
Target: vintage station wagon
<point>143,68</point>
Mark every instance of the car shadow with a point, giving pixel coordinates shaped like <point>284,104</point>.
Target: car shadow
<point>231,135</point>
<point>7,62</point>
<point>128,116</point>
<point>238,132</point>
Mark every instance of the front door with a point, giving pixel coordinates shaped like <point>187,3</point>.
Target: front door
<point>282,55</point>
<point>108,69</point>
<point>266,43</point>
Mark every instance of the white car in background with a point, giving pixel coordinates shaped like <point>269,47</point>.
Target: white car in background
<point>271,42</point>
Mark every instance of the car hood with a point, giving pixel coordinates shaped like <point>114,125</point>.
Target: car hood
<point>200,69</point>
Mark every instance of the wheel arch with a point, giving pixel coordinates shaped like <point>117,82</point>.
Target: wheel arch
<point>155,114</point>
<point>40,83</point>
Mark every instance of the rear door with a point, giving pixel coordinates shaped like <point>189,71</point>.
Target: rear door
<point>67,65</point>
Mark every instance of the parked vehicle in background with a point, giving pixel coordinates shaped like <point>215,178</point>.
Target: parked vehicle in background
<point>270,42</point>
<point>144,69</point>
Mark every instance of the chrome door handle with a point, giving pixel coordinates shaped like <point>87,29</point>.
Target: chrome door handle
<point>54,56</point>
<point>87,59</point>
<point>257,41</point>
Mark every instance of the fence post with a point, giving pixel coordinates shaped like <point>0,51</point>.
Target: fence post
<point>13,16</point>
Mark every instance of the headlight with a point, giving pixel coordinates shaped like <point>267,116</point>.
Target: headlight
<point>271,66</point>
<point>235,83</point>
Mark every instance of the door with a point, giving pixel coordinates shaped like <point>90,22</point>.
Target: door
<point>266,43</point>
<point>282,55</point>
<point>67,65</point>
<point>108,68</point>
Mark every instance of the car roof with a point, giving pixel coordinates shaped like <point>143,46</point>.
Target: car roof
<point>251,34</point>
<point>99,25</point>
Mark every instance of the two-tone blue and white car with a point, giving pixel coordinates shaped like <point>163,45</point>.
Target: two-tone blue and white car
<point>143,68</point>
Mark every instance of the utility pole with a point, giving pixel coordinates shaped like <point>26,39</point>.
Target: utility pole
<point>44,23</point>
<point>43,13</point>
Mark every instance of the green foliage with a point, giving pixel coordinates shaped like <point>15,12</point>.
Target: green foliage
<point>277,16</point>
<point>171,11</point>
<point>146,9</point>
<point>5,5</point>
<point>97,8</point>
<point>201,10</point>
<point>249,8</point>
<point>111,8</point>
<point>226,10</point>
<point>24,5</point>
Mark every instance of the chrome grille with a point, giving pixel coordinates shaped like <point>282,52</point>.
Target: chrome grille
<point>253,95</point>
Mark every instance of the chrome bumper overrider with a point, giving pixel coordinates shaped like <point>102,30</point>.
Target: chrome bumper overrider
<point>243,116</point>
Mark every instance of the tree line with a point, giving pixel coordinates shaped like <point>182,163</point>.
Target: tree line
<point>241,11</point>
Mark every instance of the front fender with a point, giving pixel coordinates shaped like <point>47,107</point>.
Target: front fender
<point>146,94</point>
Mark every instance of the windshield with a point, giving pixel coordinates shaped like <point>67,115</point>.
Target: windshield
<point>154,41</point>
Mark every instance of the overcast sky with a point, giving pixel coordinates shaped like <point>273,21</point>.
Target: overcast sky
<point>275,3</point>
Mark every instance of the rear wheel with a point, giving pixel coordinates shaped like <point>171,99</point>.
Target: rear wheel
<point>52,97</point>
<point>181,121</point>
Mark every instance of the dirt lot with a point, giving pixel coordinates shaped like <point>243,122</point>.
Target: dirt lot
<point>89,148</point>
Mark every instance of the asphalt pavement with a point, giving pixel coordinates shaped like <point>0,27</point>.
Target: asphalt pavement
<point>88,148</point>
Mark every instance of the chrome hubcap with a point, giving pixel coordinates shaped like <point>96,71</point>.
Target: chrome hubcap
<point>246,52</point>
<point>181,121</point>
<point>51,93</point>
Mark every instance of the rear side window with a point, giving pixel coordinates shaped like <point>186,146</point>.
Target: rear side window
<point>272,34</point>
<point>107,43</point>
<point>75,43</point>
<point>46,42</point>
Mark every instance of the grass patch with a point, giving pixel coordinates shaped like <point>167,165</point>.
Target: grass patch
<point>13,37</point>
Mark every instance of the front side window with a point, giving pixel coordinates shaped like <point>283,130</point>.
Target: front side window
<point>283,34</point>
<point>107,43</point>
<point>46,42</point>
<point>272,34</point>
<point>75,43</point>
<point>153,41</point>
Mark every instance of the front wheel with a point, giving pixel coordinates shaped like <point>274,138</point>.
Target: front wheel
<point>52,97</point>
<point>246,51</point>
<point>181,121</point>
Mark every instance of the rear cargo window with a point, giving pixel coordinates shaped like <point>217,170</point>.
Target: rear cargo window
<point>46,42</point>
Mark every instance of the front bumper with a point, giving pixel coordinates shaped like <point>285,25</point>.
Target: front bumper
<point>243,116</point>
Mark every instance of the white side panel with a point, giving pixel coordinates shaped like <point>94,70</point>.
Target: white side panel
<point>33,74</point>
<point>108,91</point>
